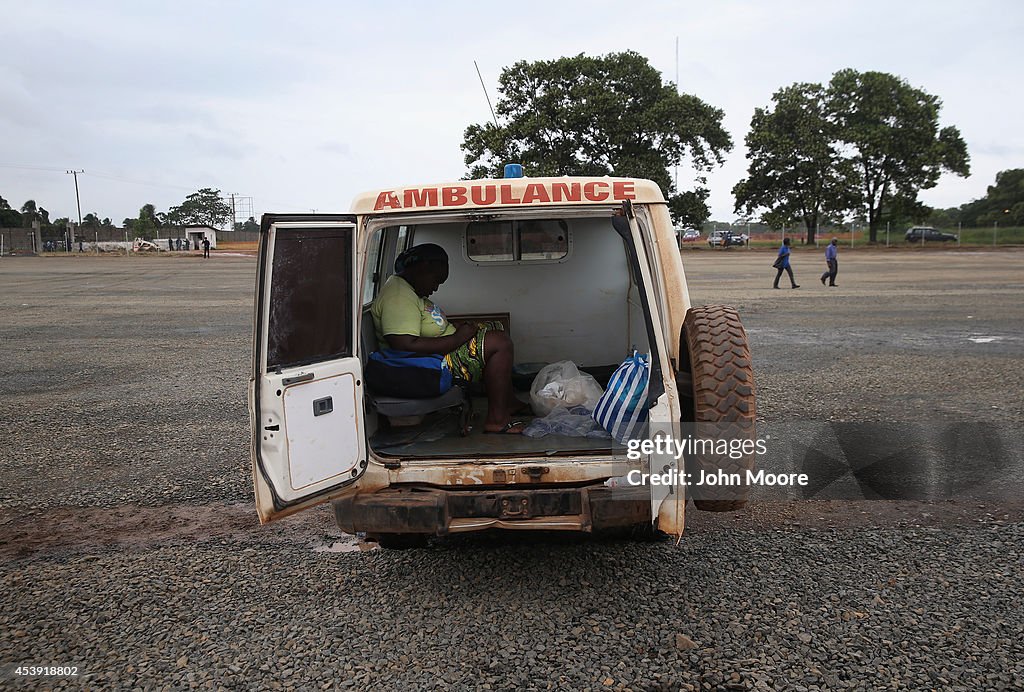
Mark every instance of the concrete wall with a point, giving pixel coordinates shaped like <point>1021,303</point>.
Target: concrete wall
<point>20,241</point>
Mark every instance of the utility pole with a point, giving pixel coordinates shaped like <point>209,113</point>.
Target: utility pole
<point>78,201</point>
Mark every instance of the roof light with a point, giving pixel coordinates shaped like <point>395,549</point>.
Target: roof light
<point>513,170</point>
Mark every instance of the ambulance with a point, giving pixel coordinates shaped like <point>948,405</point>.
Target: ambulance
<point>584,269</point>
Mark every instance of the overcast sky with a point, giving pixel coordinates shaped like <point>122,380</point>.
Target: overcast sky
<point>301,105</point>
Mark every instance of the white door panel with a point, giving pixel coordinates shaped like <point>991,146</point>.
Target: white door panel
<point>323,445</point>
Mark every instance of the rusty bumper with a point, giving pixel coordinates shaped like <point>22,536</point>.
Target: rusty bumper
<point>441,511</point>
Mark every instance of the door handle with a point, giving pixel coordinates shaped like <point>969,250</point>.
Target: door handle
<point>323,406</point>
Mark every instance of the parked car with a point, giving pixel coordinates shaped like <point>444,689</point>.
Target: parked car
<point>726,238</point>
<point>690,235</point>
<point>927,234</point>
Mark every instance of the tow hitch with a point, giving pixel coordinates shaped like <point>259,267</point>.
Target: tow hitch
<point>515,507</point>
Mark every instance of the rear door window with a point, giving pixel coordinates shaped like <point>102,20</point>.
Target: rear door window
<point>310,297</point>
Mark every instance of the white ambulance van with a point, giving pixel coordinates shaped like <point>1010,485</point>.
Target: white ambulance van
<point>579,269</point>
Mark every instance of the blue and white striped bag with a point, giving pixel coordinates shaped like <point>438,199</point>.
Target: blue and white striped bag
<point>622,409</point>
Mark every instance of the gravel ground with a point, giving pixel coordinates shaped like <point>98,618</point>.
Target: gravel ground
<point>904,609</point>
<point>130,547</point>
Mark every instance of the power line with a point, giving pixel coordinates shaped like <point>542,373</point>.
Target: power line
<point>33,168</point>
<point>119,179</point>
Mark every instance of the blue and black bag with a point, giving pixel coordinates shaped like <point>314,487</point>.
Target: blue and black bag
<point>408,375</point>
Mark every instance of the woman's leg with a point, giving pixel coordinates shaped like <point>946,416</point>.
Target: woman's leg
<point>499,356</point>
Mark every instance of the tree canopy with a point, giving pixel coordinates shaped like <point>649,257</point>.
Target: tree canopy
<point>203,207</point>
<point>608,115</point>
<point>890,131</point>
<point>796,172</point>
<point>249,225</point>
<point>9,218</point>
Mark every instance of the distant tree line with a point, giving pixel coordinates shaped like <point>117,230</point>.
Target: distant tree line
<point>203,207</point>
<point>1003,203</point>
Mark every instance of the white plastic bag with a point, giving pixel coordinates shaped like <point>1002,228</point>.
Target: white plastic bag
<point>562,384</point>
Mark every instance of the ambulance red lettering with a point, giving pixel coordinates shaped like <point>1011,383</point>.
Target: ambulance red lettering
<point>483,194</point>
<point>387,200</point>
<point>591,193</point>
<point>453,196</point>
<point>623,189</point>
<point>535,192</point>
<point>565,192</point>
<point>423,197</point>
<point>506,195</point>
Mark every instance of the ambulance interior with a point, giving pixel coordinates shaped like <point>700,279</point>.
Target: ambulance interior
<point>562,284</point>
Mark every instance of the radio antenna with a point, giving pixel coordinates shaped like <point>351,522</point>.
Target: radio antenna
<point>677,93</point>
<point>486,95</point>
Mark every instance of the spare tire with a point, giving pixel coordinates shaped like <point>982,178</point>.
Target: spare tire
<point>716,384</point>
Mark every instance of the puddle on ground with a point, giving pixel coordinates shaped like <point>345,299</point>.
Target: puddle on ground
<point>349,544</point>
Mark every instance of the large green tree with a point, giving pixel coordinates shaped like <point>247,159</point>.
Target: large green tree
<point>796,171</point>
<point>203,207</point>
<point>608,115</point>
<point>890,131</point>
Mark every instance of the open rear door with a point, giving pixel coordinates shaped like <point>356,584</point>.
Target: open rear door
<point>668,502</point>
<point>306,392</point>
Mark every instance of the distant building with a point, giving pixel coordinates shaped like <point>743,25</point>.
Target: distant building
<point>195,236</point>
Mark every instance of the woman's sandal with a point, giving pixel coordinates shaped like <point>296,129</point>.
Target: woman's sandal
<point>507,430</point>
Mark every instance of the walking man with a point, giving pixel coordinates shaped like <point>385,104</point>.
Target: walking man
<point>831,258</point>
<point>782,264</point>
<point>206,247</point>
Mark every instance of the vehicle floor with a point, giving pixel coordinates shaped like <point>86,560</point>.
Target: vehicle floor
<point>438,436</point>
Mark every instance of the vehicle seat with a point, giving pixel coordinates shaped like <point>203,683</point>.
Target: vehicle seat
<point>399,411</point>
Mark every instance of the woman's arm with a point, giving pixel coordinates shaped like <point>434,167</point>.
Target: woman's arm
<point>432,344</point>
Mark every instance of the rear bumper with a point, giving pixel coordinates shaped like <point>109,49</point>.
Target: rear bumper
<point>440,512</point>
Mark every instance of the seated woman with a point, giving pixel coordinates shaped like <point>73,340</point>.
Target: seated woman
<point>406,320</point>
